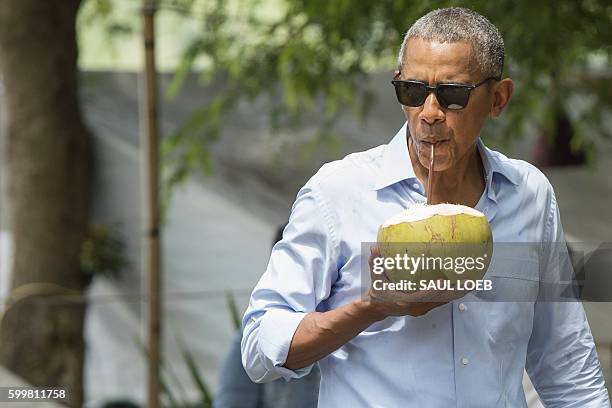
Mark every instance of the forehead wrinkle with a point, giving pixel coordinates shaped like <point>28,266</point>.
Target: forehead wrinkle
<point>424,57</point>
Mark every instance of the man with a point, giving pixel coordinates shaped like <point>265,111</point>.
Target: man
<point>308,306</point>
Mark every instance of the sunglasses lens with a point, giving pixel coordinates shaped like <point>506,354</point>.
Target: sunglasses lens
<point>410,94</point>
<point>453,97</point>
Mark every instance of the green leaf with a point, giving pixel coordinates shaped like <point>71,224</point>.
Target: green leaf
<point>163,385</point>
<point>233,309</point>
<point>195,374</point>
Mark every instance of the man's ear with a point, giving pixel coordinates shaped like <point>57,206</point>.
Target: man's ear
<point>501,96</point>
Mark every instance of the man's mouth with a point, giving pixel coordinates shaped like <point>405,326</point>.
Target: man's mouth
<point>433,142</point>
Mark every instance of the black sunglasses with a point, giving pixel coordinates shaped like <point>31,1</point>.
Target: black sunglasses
<point>450,96</point>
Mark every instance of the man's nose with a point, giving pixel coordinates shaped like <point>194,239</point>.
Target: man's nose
<point>432,111</point>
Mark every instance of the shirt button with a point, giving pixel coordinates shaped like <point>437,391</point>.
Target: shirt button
<point>415,186</point>
<point>465,361</point>
<point>462,307</point>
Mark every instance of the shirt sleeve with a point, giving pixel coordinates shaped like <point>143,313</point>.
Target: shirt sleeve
<point>299,275</point>
<point>562,361</point>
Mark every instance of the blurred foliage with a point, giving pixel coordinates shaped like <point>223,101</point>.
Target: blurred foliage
<point>315,55</point>
<point>115,25</point>
<point>205,398</point>
<point>120,403</point>
<point>102,252</point>
<point>168,376</point>
<point>232,306</point>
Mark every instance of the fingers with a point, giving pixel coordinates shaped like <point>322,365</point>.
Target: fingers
<point>374,253</point>
<point>441,296</point>
<point>403,308</point>
<point>401,303</point>
<point>423,308</point>
<point>389,296</point>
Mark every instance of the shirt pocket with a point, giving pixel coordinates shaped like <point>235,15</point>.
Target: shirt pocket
<point>509,304</point>
<point>508,325</point>
<point>512,280</point>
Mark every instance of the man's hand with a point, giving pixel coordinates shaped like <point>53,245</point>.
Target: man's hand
<point>399,303</point>
<point>320,333</point>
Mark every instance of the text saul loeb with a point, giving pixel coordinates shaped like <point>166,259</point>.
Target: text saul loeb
<point>411,265</point>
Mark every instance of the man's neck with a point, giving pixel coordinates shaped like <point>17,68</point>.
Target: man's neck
<point>461,184</point>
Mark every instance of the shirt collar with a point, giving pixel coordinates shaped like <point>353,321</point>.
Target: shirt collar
<point>396,165</point>
<point>493,164</point>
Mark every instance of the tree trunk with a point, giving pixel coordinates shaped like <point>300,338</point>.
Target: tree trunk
<point>48,172</point>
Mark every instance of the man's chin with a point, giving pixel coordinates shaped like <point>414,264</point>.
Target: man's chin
<point>441,163</point>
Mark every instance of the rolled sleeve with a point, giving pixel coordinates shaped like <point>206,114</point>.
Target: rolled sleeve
<point>276,332</point>
<point>300,274</point>
<point>562,360</point>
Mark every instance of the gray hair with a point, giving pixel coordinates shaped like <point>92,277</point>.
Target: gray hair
<point>456,24</point>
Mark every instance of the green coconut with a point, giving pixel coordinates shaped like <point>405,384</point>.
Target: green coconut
<point>453,241</point>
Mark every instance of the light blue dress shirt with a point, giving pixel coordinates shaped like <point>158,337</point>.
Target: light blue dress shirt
<point>463,354</point>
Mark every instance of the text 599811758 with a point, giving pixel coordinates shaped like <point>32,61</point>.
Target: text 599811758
<point>32,394</point>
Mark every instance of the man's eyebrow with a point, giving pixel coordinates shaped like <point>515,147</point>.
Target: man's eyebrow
<point>442,81</point>
<point>414,79</point>
<point>455,81</point>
